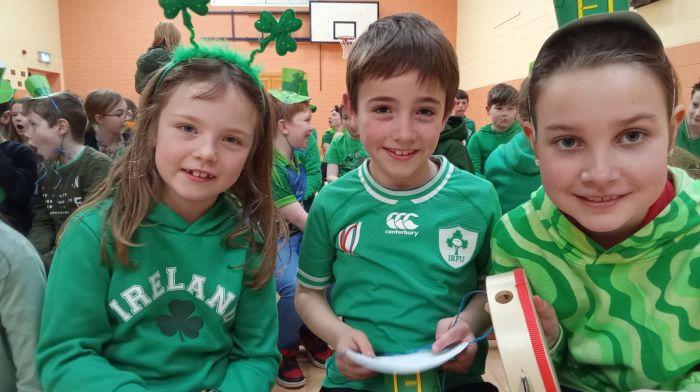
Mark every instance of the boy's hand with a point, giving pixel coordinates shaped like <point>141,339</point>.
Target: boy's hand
<point>446,336</point>
<point>548,320</point>
<point>357,341</point>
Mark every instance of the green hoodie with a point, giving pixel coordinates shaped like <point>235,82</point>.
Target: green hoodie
<point>485,141</point>
<point>684,141</point>
<point>630,315</point>
<point>512,170</point>
<point>182,319</point>
<point>451,143</point>
<point>148,63</point>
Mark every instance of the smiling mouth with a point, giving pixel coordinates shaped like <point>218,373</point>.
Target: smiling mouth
<point>199,174</point>
<point>401,153</point>
<point>601,200</point>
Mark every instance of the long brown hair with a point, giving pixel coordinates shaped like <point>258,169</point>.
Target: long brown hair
<point>101,101</point>
<point>166,34</point>
<point>135,184</point>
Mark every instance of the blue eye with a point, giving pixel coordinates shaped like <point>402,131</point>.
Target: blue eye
<point>631,137</point>
<point>566,143</point>
<point>186,128</point>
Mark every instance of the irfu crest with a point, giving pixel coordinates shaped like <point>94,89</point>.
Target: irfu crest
<point>457,245</point>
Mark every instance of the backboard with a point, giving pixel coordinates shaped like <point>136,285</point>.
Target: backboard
<point>331,20</point>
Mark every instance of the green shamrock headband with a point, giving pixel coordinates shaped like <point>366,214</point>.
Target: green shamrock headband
<point>280,32</point>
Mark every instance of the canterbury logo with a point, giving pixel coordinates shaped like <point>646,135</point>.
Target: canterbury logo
<point>401,221</point>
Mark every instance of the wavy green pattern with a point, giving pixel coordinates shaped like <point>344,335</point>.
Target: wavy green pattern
<point>630,314</point>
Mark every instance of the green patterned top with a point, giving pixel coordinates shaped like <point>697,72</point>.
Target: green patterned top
<point>630,315</point>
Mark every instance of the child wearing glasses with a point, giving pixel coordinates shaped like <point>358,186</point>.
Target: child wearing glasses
<point>107,113</point>
<point>70,170</point>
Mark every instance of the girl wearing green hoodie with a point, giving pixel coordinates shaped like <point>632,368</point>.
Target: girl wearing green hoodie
<point>610,242</point>
<point>161,280</point>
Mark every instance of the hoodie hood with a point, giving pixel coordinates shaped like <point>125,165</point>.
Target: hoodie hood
<point>455,129</point>
<point>518,155</point>
<point>218,220</point>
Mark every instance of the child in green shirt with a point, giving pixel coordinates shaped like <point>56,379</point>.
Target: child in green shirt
<point>401,263</point>
<point>689,130</point>
<point>501,107</point>
<point>346,152</point>
<point>289,188</point>
<point>70,170</point>
<point>162,280</point>
<point>610,242</point>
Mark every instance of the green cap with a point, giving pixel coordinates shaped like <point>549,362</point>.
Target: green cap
<point>6,90</point>
<point>295,88</point>
<point>569,10</point>
<point>37,86</point>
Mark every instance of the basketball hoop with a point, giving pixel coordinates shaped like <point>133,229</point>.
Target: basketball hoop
<point>346,43</point>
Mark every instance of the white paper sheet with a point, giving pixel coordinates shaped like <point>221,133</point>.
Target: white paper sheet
<point>407,363</point>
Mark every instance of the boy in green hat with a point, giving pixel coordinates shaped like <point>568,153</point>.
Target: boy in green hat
<point>290,188</point>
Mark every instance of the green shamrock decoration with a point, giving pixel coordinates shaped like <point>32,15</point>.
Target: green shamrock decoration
<point>179,320</point>
<point>457,242</point>
<point>280,32</point>
<point>173,7</point>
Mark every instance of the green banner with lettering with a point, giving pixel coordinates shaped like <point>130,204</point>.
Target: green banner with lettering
<point>568,10</point>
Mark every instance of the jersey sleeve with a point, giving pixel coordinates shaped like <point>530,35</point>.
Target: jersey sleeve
<point>317,249</point>
<point>333,153</point>
<point>327,137</point>
<point>312,163</point>
<point>282,194</point>
<point>474,150</point>
<point>96,172</point>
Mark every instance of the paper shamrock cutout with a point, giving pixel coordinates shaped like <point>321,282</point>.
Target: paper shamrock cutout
<point>278,31</point>
<point>173,7</point>
<point>180,320</point>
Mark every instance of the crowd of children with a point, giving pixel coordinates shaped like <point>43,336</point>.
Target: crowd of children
<point>196,245</point>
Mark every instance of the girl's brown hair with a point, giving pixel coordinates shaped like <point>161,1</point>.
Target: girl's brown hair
<point>13,134</point>
<point>135,184</point>
<point>101,102</point>
<point>166,34</point>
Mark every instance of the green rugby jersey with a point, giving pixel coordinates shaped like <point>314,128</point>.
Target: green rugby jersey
<point>400,260</point>
<point>630,315</point>
<point>347,153</point>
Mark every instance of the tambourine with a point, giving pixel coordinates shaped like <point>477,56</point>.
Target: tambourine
<point>521,342</point>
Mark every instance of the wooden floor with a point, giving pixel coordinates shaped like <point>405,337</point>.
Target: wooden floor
<point>314,376</point>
